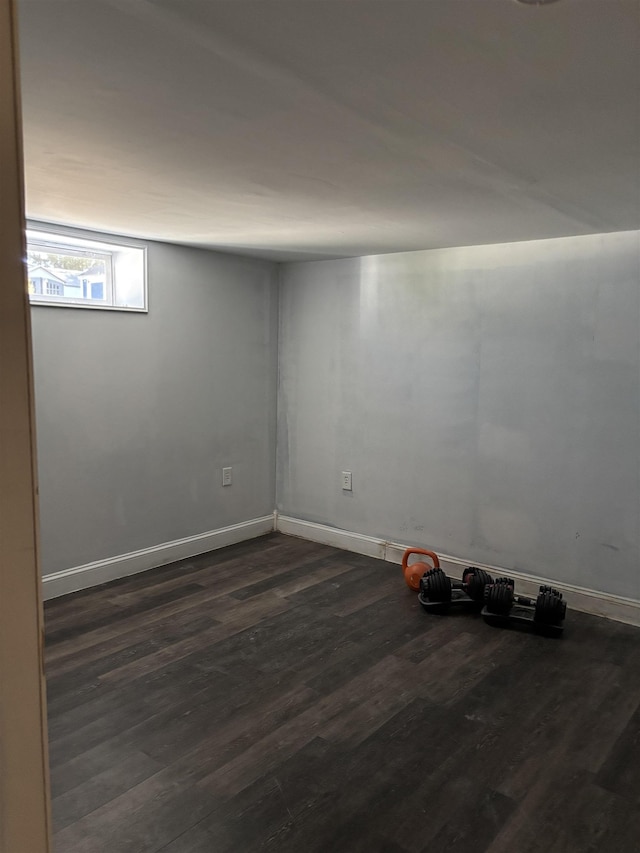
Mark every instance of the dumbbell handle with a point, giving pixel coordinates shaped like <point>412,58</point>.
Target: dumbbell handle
<point>459,584</point>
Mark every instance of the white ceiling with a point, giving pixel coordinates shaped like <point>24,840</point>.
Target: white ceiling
<point>327,128</point>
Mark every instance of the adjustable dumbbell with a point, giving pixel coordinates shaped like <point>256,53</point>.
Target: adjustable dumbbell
<point>438,588</point>
<point>547,609</point>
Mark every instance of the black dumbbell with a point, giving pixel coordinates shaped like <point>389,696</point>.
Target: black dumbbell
<point>548,608</point>
<point>435,586</point>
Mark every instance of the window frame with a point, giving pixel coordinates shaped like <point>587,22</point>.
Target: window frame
<point>49,289</point>
<point>58,239</point>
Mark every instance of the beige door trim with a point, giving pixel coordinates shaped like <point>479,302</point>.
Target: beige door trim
<point>24,772</point>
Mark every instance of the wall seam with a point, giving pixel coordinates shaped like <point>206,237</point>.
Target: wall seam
<point>276,455</point>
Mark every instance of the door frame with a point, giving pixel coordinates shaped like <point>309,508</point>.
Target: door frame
<point>24,767</point>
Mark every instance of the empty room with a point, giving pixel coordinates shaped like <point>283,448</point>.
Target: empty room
<point>320,426</point>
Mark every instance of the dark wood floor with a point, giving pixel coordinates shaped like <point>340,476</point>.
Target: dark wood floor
<point>281,695</point>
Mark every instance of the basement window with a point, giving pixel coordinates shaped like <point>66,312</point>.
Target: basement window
<point>67,267</point>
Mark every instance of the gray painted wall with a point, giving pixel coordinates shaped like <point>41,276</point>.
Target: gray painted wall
<point>486,399</point>
<point>137,413</point>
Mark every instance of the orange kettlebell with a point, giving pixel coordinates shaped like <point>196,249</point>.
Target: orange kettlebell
<point>413,573</point>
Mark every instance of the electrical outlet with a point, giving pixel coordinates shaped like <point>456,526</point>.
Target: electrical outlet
<point>226,476</point>
<point>346,481</point>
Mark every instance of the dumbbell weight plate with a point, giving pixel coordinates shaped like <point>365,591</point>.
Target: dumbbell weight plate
<point>476,580</point>
<point>544,608</point>
<point>550,608</point>
<point>498,597</point>
<point>436,586</point>
<point>425,579</point>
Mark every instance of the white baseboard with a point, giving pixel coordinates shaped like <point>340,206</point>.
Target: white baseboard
<point>578,598</point>
<point>331,536</point>
<point>92,574</point>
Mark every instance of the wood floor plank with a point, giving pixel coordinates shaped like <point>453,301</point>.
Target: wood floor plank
<point>216,587</point>
<point>620,774</point>
<point>79,770</point>
<point>139,821</point>
<point>206,745</point>
<point>261,757</point>
<point>171,628</point>
<point>101,788</point>
<point>269,813</point>
<point>235,622</point>
<point>132,707</point>
<point>148,603</point>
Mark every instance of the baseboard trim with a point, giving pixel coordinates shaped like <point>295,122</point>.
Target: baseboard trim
<point>92,574</point>
<point>344,539</point>
<point>585,600</point>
